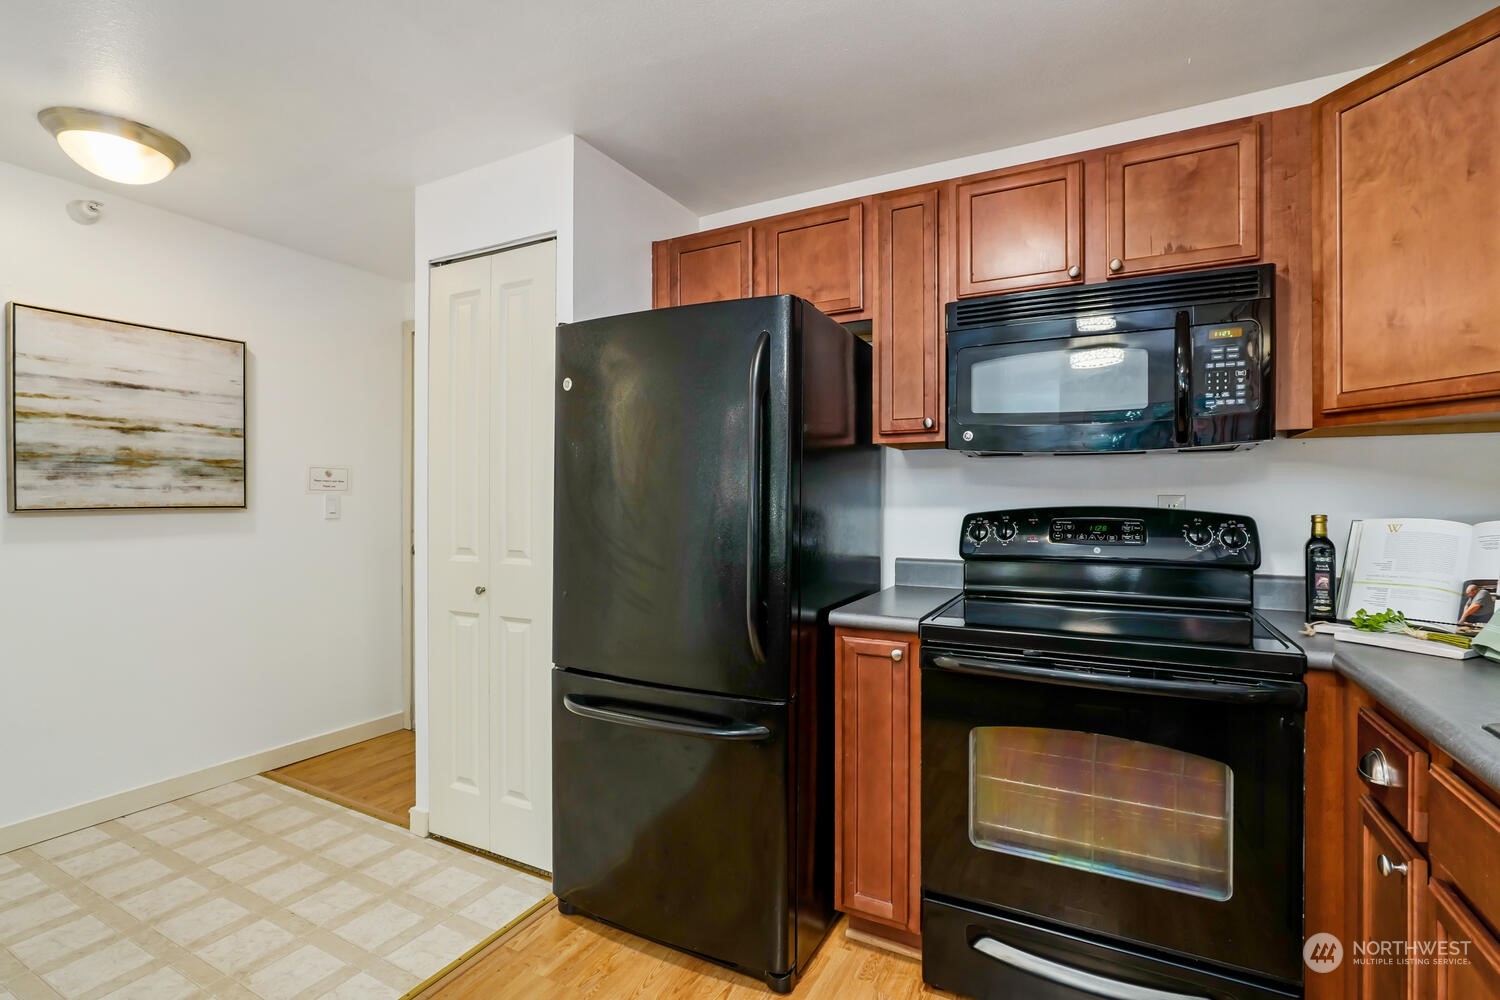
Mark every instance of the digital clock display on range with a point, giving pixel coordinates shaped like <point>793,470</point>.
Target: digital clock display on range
<point>1098,531</point>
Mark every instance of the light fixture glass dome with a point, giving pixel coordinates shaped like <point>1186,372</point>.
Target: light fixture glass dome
<point>115,148</point>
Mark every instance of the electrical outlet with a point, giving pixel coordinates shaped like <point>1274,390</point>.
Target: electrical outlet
<point>1171,501</point>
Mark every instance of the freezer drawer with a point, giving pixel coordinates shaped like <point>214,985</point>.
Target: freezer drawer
<point>672,818</point>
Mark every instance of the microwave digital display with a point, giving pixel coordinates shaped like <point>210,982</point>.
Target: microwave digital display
<point>1227,333</point>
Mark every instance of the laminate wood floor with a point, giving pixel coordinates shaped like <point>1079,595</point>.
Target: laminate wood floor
<point>377,777</point>
<point>548,955</point>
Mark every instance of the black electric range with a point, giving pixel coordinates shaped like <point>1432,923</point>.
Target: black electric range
<point>1112,763</point>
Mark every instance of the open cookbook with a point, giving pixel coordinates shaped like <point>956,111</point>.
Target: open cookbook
<point>1442,572</point>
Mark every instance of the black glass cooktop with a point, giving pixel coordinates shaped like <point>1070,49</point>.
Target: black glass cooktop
<point>1215,639</point>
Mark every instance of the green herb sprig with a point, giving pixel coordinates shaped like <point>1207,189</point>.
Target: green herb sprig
<point>1394,621</point>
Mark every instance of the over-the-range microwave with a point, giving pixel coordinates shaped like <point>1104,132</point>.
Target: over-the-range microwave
<point>1167,363</point>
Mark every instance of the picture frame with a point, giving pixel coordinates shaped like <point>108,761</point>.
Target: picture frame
<point>106,414</point>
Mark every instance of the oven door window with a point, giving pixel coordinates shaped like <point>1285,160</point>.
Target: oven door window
<point>1117,807</point>
<point>1078,380</point>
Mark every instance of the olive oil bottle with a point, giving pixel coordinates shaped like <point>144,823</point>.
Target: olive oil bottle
<point>1320,581</point>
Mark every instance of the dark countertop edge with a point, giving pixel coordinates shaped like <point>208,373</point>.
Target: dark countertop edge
<point>894,609</point>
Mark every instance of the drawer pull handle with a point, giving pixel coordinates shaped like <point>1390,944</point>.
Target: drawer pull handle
<point>1386,866</point>
<point>1377,771</point>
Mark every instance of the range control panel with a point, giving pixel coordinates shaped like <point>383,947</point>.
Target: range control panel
<point>1123,534</point>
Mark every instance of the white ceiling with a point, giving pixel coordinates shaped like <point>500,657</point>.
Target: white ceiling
<point>310,121</point>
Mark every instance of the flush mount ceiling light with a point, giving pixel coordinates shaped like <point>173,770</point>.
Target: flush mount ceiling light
<point>115,148</point>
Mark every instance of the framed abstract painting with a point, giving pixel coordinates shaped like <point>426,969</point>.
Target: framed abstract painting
<point>107,415</point>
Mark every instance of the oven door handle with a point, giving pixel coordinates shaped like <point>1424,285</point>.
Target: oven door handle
<point>1236,693</point>
<point>1071,978</point>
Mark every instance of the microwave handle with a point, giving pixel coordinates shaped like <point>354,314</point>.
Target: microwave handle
<point>1183,378</point>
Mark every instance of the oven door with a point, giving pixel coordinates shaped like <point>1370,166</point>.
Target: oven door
<point>1031,390</point>
<point>1156,808</point>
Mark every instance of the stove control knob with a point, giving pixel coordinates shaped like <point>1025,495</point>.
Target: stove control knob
<point>1234,538</point>
<point>978,531</point>
<point>1006,531</point>
<point>1198,535</point>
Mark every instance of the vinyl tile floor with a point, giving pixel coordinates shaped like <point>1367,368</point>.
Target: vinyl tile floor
<point>248,890</point>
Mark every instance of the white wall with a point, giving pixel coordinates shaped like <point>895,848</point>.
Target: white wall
<point>604,218</point>
<point>616,215</point>
<point>139,646</point>
<point>1279,483</point>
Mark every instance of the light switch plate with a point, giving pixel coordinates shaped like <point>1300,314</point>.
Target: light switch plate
<point>332,508</point>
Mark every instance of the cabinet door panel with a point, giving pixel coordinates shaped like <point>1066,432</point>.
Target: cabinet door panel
<point>1390,903</point>
<point>1020,229</point>
<point>907,332</point>
<point>1473,969</point>
<point>818,254</point>
<point>703,267</point>
<point>1409,187</point>
<point>1184,201</point>
<point>873,778</point>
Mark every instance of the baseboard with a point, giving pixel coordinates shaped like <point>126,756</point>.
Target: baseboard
<point>419,824</point>
<point>85,814</point>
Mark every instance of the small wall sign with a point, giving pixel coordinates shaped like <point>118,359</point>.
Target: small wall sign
<point>327,479</point>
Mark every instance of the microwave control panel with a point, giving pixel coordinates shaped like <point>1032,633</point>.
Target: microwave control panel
<point>1226,368</point>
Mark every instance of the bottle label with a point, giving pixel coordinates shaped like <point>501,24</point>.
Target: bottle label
<point>1320,569</point>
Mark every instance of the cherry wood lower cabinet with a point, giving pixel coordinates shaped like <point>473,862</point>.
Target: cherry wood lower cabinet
<point>1392,895</point>
<point>877,776</point>
<point>1458,933</point>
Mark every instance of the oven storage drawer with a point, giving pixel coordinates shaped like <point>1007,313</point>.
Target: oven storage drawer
<point>991,957</point>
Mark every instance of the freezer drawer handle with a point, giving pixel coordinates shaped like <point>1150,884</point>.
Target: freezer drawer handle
<point>1077,979</point>
<point>1232,693</point>
<point>616,713</point>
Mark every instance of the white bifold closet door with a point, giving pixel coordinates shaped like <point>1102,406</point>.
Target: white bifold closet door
<point>492,330</point>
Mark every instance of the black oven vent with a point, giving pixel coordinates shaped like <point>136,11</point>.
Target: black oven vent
<point>1176,291</point>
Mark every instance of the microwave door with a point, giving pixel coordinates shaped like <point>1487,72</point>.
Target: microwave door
<point>1113,392</point>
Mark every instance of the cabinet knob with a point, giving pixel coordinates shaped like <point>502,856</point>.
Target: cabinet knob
<point>1116,264</point>
<point>1377,771</point>
<point>1073,271</point>
<point>1386,866</point>
<point>896,655</point>
<point>927,422</point>
<point>479,591</point>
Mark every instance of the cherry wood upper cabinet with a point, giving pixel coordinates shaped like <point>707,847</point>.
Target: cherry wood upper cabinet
<point>1185,200</point>
<point>1408,263</point>
<point>702,267</point>
<point>818,254</point>
<point>1020,229</point>
<point>877,736</point>
<point>907,332</point>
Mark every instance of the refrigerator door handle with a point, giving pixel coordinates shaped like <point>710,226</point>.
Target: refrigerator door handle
<point>620,714</point>
<point>755,504</point>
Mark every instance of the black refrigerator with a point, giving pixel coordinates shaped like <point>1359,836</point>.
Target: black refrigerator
<point>717,493</point>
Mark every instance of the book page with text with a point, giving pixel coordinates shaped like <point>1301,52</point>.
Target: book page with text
<point>1414,565</point>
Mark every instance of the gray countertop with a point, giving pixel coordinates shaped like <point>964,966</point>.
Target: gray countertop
<point>1447,701</point>
<point>894,609</point>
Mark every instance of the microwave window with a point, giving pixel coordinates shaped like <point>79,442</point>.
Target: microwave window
<point>1074,379</point>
